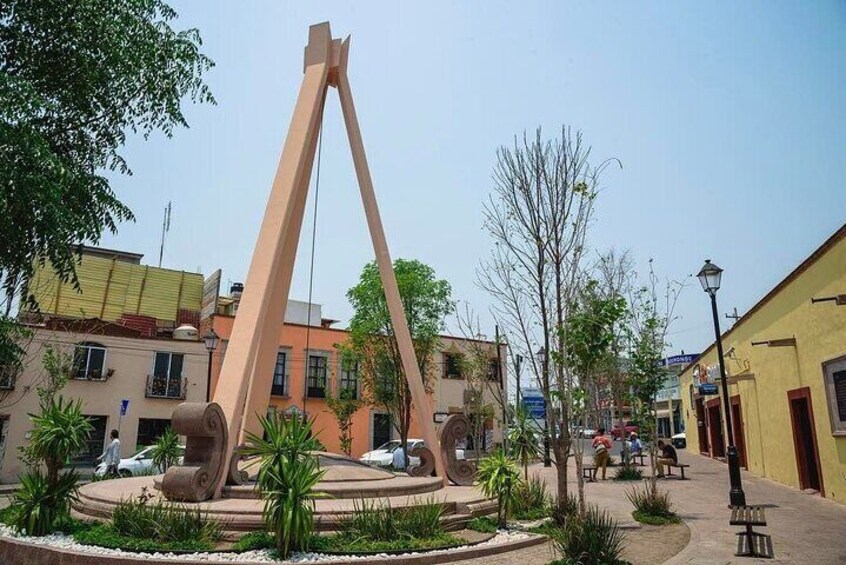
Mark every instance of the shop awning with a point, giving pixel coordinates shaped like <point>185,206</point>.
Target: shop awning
<point>664,413</point>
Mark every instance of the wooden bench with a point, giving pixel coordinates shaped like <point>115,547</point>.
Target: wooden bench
<point>587,472</point>
<point>641,458</point>
<point>751,543</point>
<point>679,466</point>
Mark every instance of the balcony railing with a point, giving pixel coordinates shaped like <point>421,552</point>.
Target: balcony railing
<point>279,389</point>
<point>171,387</point>
<point>316,391</point>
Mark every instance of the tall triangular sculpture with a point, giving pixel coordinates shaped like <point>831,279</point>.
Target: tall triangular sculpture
<point>243,389</point>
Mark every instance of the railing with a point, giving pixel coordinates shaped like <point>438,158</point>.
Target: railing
<point>166,387</point>
<point>316,392</point>
<point>280,390</point>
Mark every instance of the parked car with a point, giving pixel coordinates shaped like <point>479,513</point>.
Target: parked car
<point>679,441</point>
<point>618,432</point>
<point>587,433</point>
<point>383,456</point>
<point>139,464</point>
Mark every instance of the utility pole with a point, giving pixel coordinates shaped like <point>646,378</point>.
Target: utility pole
<point>503,389</point>
<point>517,362</point>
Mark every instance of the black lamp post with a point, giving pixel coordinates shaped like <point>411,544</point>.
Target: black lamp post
<point>541,354</point>
<point>709,276</point>
<point>211,339</point>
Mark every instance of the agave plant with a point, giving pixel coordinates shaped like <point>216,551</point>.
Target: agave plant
<point>38,505</point>
<point>59,432</point>
<point>288,438</point>
<point>523,439</point>
<point>166,451</point>
<point>497,476</point>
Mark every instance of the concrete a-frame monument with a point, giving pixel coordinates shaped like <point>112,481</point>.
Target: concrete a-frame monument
<point>243,390</point>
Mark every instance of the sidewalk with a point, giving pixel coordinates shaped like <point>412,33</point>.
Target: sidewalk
<point>805,528</point>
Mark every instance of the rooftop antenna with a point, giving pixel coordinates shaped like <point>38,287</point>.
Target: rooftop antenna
<point>734,315</point>
<point>165,229</point>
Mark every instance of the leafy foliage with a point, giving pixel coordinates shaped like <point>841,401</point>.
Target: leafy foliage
<point>103,535</point>
<point>562,512</point>
<point>342,543</point>
<point>531,500</point>
<point>76,76</point>
<point>287,476</point>
<point>39,504</point>
<point>59,431</point>
<point>590,539</point>
<point>651,502</point>
<point>166,451</point>
<point>523,439</point>
<point>164,521</point>
<point>426,302</point>
<point>254,540</point>
<point>497,476</point>
<point>628,473</point>
<point>380,522</point>
<point>343,407</point>
<point>482,524</point>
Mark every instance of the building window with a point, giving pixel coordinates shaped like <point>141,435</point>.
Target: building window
<point>493,370</point>
<point>92,448</point>
<point>89,361</point>
<point>149,430</point>
<point>280,379</point>
<point>452,366</point>
<point>166,380</point>
<point>316,386</point>
<point>349,381</point>
<point>834,373</point>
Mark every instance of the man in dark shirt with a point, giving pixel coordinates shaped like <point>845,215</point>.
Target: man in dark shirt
<point>668,457</point>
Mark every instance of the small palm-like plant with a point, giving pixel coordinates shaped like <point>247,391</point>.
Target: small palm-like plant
<point>523,439</point>
<point>497,476</point>
<point>591,539</point>
<point>166,451</point>
<point>288,438</point>
<point>38,505</point>
<point>59,432</point>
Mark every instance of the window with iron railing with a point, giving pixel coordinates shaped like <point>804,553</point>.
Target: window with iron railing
<point>348,383</point>
<point>280,378</point>
<point>167,380</point>
<point>89,361</point>
<point>316,381</point>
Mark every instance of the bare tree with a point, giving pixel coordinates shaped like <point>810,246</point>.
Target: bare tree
<point>538,216</point>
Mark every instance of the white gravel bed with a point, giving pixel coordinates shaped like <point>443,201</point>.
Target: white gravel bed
<point>63,541</point>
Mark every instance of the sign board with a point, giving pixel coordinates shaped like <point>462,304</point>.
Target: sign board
<point>534,403</point>
<point>124,406</point>
<point>211,290</point>
<point>708,389</point>
<point>678,360</point>
<point>440,417</point>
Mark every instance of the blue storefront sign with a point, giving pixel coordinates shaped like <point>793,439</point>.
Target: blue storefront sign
<point>534,404</point>
<point>707,389</point>
<point>679,360</point>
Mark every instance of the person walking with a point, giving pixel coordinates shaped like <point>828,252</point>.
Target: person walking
<point>601,451</point>
<point>111,456</point>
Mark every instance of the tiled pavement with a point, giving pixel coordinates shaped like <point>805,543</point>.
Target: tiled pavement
<point>805,528</point>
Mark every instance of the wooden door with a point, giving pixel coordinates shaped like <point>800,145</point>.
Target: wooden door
<point>701,427</point>
<point>715,428</point>
<point>805,439</point>
<point>737,428</point>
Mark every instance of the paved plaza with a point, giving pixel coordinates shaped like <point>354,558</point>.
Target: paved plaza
<point>805,528</point>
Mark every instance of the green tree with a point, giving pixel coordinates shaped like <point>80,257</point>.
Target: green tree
<point>75,77</point>
<point>426,301</point>
<point>343,407</point>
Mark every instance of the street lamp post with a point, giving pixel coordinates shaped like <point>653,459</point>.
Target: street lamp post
<point>709,276</point>
<point>211,339</point>
<point>547,461</point>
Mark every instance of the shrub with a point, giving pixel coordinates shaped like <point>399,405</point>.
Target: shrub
<point>58,432</point>
<point>166,451</point>
<point>164,521</point>
<point>592,539</point>
<point>345,544</point>
<point>523,439</point>
<point>655,520</point>
<point>531,500</point>
<point>104,535</point>
<point>651,502</point>
<point>254,540</point>
<point>560,515</point>
<point>628,473</point>
<point>39,505</point>
<point>380,522</point>
<point>497,476</point>
<point>485,524</point>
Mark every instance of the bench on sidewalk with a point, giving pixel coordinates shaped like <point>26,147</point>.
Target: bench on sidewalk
<point>681,467</point>
<point>587,472</point>
<point>641,458</point>
<point>751,543</point>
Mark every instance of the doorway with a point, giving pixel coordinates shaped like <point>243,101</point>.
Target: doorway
<point>805,439</point>
<point>94,446</point>
<point>381,431</point>
<point>700,426</point>
<point>715,428</point>
<point>737,430</point>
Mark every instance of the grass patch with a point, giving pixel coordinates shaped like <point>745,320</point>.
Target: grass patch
<point>254,540</point>
<point>346,543</point>
<point>484,524</point>
<point>104,535</point>
<point>645,518</point>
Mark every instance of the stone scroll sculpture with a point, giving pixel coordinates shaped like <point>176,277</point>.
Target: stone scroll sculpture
<point>204,426</point>
<point>236,476</point>
<point>459,471</point>
<point>426,465</point>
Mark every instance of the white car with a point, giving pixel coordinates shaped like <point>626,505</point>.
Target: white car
<point>383,456</point>
<point>137,465</point>
<point>587,433</point>
<point>679,441</point>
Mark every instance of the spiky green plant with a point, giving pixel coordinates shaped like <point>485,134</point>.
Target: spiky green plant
<point>591,539</point>
<point>166,450</point>
<point>497,476</point>
<point>59,432</point>
<point>531,500</point>
<point>38,504</point>
<point>285,438</point>
<point>523,439</point>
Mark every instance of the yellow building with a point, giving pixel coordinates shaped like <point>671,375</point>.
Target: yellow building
<point>786,365</point>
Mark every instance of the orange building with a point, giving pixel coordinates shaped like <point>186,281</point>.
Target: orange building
<point>308,366</point>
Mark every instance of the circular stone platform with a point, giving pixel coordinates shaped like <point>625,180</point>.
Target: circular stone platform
<point>346,482</point>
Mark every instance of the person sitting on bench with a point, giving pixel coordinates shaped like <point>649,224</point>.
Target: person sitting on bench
<point>668,457</point>
<point>635,447</point>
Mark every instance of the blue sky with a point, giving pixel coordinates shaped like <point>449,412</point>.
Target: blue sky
<point>728,119</point>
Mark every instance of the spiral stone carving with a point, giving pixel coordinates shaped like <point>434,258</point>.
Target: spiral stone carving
<point>454,429</point>
<point>427,462</point>
<point>235,475</point>
<point>204,425</point>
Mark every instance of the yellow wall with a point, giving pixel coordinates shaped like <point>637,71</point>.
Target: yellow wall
<point>820,332</point>
<point>111,288</point>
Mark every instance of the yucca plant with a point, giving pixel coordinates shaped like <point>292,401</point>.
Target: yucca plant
<point>59,432</point>
<point>166,450</point>
<point>289,503</point>
<point>592,539</point>
<point>38,505</point>
<point>652,505</point>
<point>523,439</point>
<point>164,521</point>
<point>497,476</point>
<point>288,438</point>
<point>531,500</point>
<point>628,473</point>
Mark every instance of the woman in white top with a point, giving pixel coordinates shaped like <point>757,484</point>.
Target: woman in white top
<point>111,456</point>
